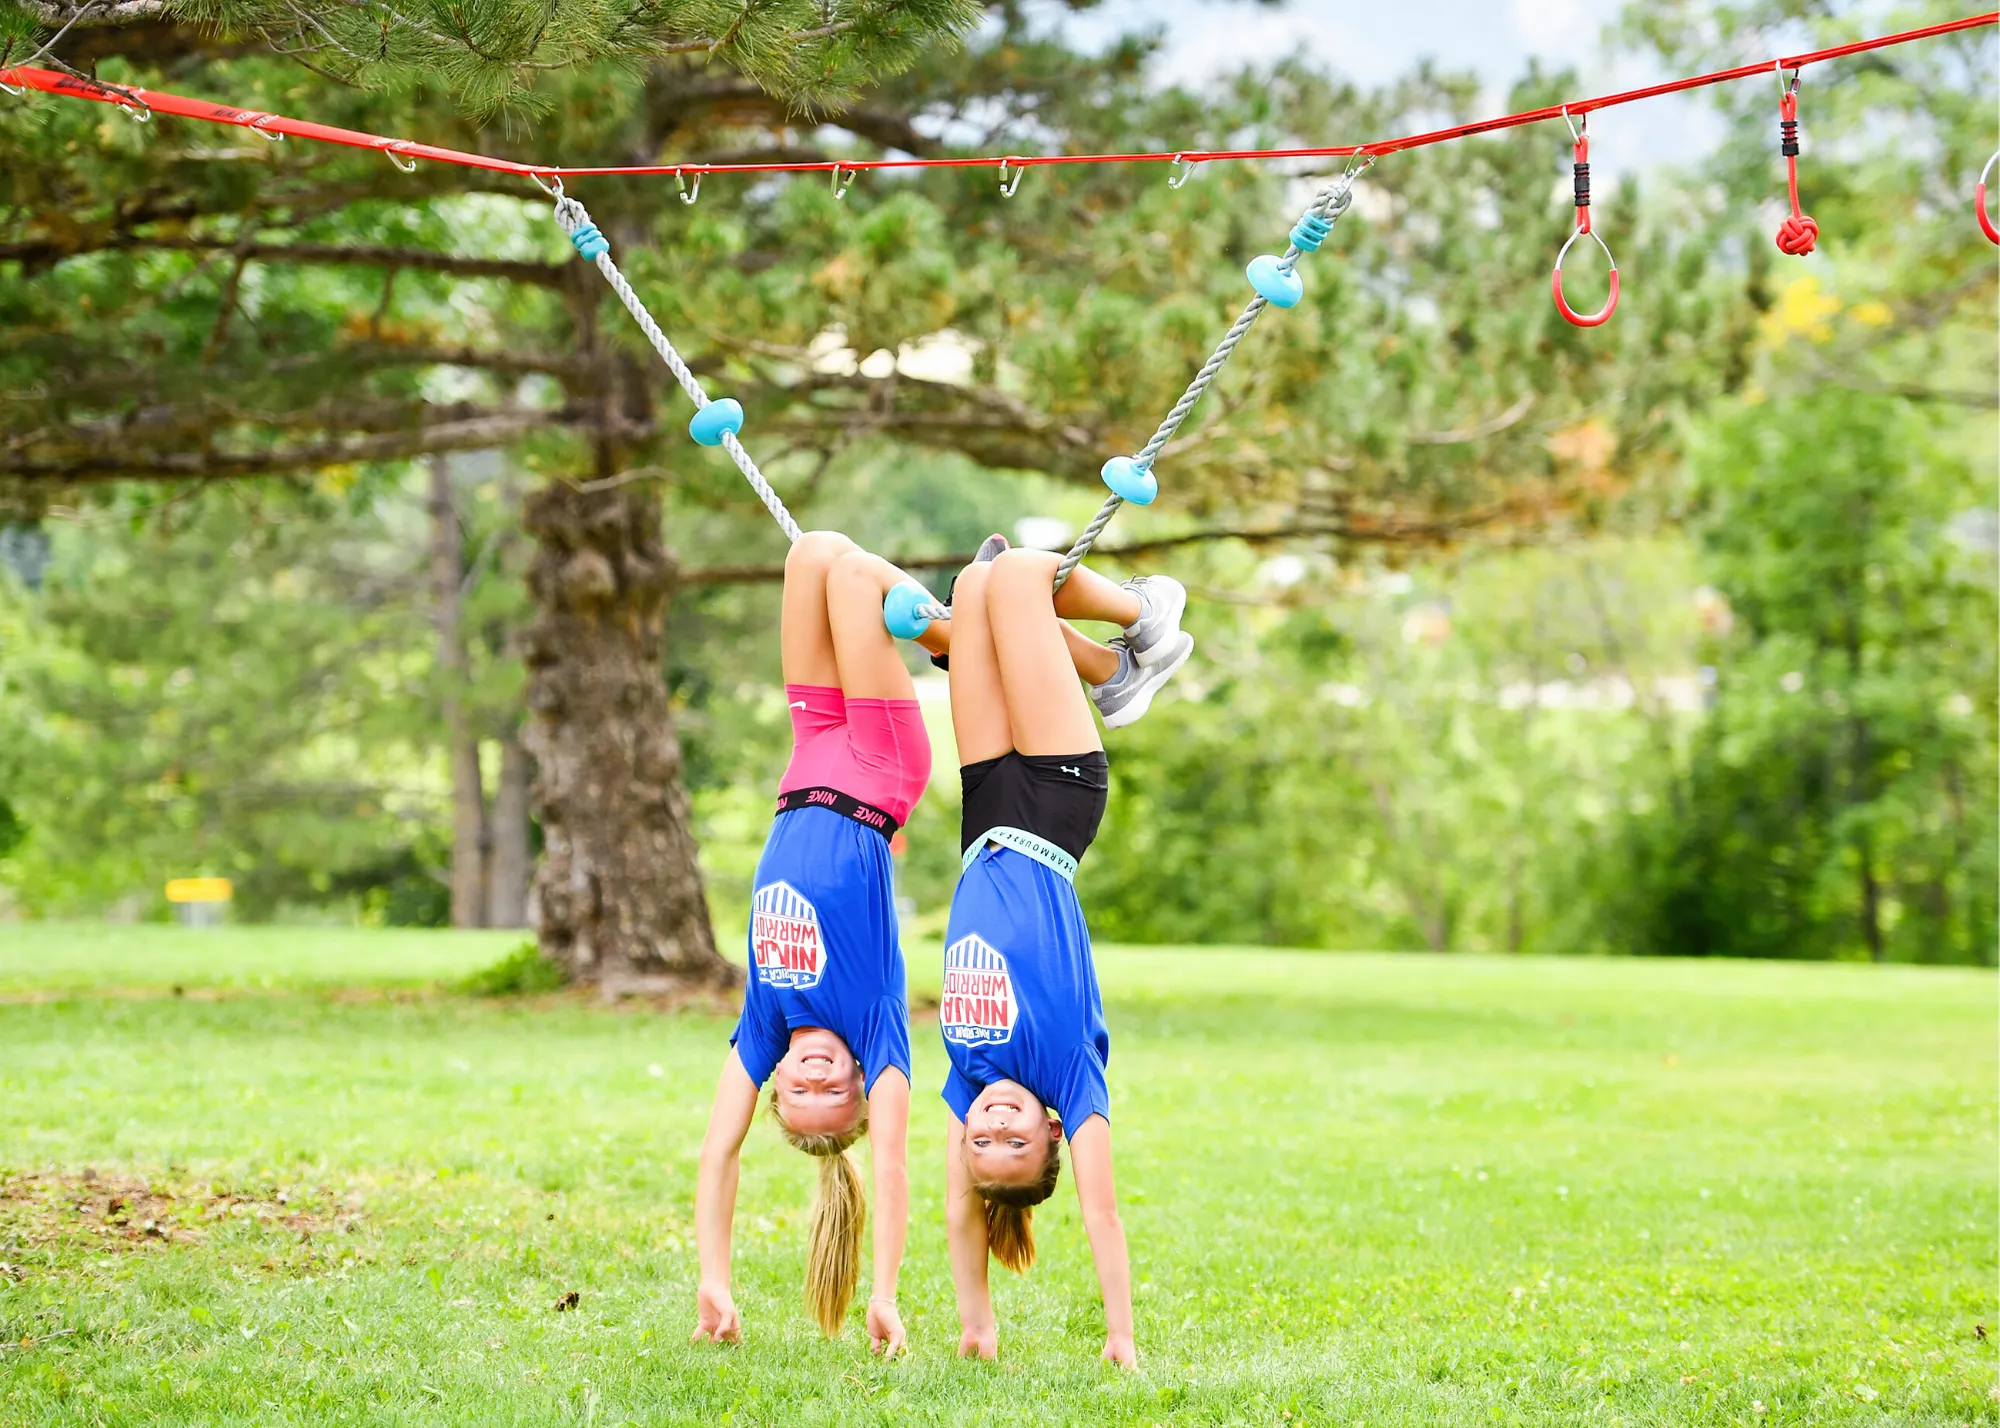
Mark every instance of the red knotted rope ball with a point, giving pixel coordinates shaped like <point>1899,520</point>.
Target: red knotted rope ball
<point>1796,235</point>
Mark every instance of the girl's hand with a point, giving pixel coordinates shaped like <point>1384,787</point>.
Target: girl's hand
<point>716,1318</point>
<point>980,1343</point>
<point>885,1328</point>
<point>1119,1349</point>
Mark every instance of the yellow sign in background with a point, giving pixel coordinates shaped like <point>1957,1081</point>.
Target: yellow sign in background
<point>199,890</point>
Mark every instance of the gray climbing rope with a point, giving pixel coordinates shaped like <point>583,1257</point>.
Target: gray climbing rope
<point>715,423</point>
<point>1310,232</point>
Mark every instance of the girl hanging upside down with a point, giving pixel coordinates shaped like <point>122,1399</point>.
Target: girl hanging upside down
<point>1023,1023</point>
<point>825,1013</point>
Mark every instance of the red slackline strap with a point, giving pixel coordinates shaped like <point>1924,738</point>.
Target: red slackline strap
<point>149,101</point>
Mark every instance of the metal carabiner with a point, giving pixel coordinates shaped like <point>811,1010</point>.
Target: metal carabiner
<point>1183,171</point>
<point>255,124</point>
<point>394,149</point>
<point>553,188</point>
<point>839,184</point>
<point>1006,188</point>
<point>689,195</point>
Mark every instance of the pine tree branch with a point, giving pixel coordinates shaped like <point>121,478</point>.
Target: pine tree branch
<point>1390,529</point>
<point>552,275</point>
<point>945,408</point>
<point>670,109</point>
<point>148,42</point>
<point>394,354</point>
<point>151,426</point>
<point>89,16</point>
<point>472,434</point>
<point>1479,431</point>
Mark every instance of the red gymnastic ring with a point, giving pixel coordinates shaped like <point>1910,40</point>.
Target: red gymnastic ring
<point>1570,315</point>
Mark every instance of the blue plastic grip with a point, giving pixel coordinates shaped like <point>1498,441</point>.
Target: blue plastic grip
<point>716,419</point>
<point>589,242</point>
<point>1279,287</point>
<point>1309,232</point>
<point>1130,481</point>
<point>899,610</point>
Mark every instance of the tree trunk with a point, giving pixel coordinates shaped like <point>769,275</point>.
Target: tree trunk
<point>468,793</point>
<point>620,894</point>
<point>508,869</point>
<point>1871,898</point>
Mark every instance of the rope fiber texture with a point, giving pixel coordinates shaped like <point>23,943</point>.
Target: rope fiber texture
<point>571,217</point>
<point>1332,201</point>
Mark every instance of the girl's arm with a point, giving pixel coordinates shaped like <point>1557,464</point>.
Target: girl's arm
<point>1090,1152</point>
<point>715,1201</point>
<point>889,1140</point>
<point>965,1228</point>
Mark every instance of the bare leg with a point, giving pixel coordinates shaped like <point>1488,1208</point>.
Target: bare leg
<point>869,665</point>
<point>805,632</point>
<point>1045,705</point>
<point>1086,595</point>
<point>1095,663</point>
<point>978,703</point>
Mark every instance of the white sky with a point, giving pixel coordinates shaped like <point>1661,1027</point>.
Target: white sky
<point>1373,43</point>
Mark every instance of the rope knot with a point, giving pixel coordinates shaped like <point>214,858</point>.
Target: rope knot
<point>1310,232</point>
<point>572,218</point>
<point>1796,235</point>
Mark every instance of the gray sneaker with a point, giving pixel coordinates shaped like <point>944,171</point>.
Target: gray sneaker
<point>1126,696</point>
<point>1155,635</point>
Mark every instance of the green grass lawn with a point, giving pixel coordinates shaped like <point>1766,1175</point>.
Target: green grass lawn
<point>38,960</point>
<point>1359,1190</point>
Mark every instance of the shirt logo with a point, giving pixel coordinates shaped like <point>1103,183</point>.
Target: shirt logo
<point>785,941</point>
<point>979,1007</point>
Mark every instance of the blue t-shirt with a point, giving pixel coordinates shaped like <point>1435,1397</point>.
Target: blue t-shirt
<point>824,947</point>
<point>1020,992</point>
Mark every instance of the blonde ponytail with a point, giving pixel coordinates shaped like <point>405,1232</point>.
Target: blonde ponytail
<point>1010,1234</point>
<point>833,1262</point>
<point>839,1212</point>
<point>1010,1212</point>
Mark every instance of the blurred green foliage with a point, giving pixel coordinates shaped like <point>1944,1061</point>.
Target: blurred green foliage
<point>1839,795</point>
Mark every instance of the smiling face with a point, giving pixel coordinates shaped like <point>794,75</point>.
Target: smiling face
<point>1008,1135</point>
<point>817,1088</point>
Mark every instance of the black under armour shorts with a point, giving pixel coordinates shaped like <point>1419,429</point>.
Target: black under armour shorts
<point>1059,798</point>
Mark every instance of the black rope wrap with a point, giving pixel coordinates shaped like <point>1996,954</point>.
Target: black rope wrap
<point>1788,134</point>
<point>1582,185</point>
